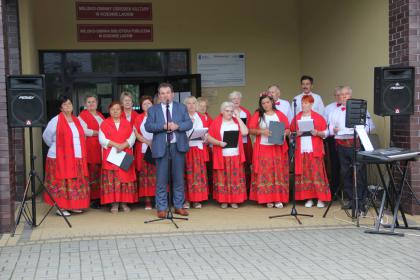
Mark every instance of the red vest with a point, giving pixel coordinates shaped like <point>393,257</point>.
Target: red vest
<point>66,167</point>
<point>254,124</point>
<point>317,142</point>
<point>137,147</point>
<point>119,135</point>
<point>92,142</point>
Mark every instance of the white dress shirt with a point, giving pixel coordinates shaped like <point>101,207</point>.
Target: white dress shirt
<point>104,141</point>
<point>338,120</point>
<point>318,105</point>
<point>172,116</point>
<point>50,138</point>
<point>329,109</point>
<point>284,107</point>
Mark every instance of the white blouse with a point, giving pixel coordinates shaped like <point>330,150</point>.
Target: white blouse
<point>197,123</point>
<point>104,141</point>
<point>227,126</point>
<point>88,131</point>
<point>50,138</point>
<point>265,124</point>
<point>147,135</point>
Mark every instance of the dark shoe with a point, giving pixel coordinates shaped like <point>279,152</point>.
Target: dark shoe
<point>161,214</point>
<point>181,212</point>
<point>95,204</point>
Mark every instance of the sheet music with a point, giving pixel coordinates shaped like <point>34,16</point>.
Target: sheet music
<point>364,138</point>
<point>306,125</point>
<point>115,157</point>
<point>198,133</point>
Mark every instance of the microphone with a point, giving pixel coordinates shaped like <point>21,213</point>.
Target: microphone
<point>167,103</point>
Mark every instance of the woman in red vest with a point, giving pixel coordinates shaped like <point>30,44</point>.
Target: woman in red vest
<point>228,163</point>
<point>236,97</point>
<point>66,172</point>
<point>270,166</point>
<point>146,171</point>
<point>93,119</point>
<point>311,177</point>
<point>196,184</point>
<point>126,99</point>
<point>202,107</point>
<point>118,187</point>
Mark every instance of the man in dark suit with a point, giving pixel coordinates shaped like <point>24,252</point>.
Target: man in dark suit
<point>175,133</point>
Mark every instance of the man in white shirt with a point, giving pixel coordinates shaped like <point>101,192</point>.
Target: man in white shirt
<point>306,83</point>
<point>281,104</point>
<point>331,149</point>
<point>344,142</point>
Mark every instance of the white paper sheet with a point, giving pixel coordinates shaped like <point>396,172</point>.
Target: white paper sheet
<point>346,131</point>
<point>364,138</point>
<point>305,125</point>
<point>115,157</point>
<point>198,133</point>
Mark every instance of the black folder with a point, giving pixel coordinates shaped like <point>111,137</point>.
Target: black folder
<point>244,120</point>
<point>277,133</point>
<point>148,157</point>
<point>126,162</point>
<point>231,138</point>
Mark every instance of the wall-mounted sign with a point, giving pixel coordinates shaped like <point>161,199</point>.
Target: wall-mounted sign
<point>109,10</point>
<point>114,32</point>
<point>221,69</point>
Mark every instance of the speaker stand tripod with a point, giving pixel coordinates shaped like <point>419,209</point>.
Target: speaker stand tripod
<point>30,216</point>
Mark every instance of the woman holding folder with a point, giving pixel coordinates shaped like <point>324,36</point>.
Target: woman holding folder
<point>196,184</point>
<point>270,165</point>
<point>311,177</point>
<point>118,187</point>
<point>228,157</point>
<point>146,171</point>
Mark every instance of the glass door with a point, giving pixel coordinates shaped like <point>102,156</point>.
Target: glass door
<point>103,89</point>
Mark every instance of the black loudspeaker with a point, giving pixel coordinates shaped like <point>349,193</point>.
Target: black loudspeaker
<point>394,91</point>
<point>356,110</point>
<point>26,101</point>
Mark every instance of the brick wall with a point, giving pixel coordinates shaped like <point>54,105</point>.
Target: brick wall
<point>404,50</point>
<point>11,140</point>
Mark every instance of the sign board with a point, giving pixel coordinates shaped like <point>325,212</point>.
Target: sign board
<point>221,69</point>
<point>114,32</point>
<point>109,10</point>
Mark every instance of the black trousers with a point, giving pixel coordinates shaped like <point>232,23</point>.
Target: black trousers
<point>334,164</point>
<point>345,156</point>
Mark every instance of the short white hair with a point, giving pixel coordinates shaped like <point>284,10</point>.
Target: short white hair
<point>235,94</point>
<point>225,105</point>
<point>190,98</point>
<point>274,86</point>
<point>348,88</point>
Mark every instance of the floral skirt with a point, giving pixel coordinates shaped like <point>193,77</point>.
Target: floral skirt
<point>94,180</point>
<point>271,182</point>
<point>313,182</point>
<point>196,184</point>
<point>113,190</point>
<point>68,193</point>
<point>146,180</point>
<point>229,183</point>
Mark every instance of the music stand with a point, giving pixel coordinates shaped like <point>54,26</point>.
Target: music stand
<point>356,111</point>
<point>30,217</point>
<point>292,139</point>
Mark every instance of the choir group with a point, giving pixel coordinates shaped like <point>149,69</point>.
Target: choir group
<point>78,175</point>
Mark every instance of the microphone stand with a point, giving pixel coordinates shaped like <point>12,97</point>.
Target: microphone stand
<point>292,141</point>
<point>169,214</point>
